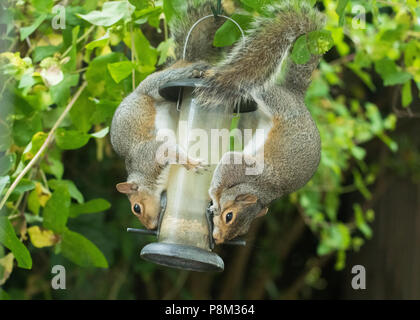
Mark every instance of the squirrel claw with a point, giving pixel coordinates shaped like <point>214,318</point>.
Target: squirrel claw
<point>200,169</point>
<point>196,166</point>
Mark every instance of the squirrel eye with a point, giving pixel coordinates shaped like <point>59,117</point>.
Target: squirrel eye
<point>137,208</point>
<point>229,217</point>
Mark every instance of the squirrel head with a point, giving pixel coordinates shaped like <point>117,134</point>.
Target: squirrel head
<point>144,204</point>
<point>234,215</point>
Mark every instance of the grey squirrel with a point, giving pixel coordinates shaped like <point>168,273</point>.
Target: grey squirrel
<point>133,136</point>
<point>142,113</point>
<point>291,147</point>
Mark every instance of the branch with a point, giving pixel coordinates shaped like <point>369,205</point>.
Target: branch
<point>43,147</point>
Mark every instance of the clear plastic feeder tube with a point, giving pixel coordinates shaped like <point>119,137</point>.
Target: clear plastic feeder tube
<point>184,221</point>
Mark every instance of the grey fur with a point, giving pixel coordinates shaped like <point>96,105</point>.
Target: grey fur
<point>254,63</point>
<point>292,149</point>
<point>200,45</point>
<point>289,163</point>
<point>138,147</point>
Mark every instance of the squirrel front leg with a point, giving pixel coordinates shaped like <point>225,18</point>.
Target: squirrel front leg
<point>180,70</point>
<point>254,62</point>
<point>175,154</point>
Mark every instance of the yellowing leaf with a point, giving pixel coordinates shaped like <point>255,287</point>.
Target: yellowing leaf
<point>37,141</point>
<point>38,198</point>
<point>7,266</point>
<point>42,238</point>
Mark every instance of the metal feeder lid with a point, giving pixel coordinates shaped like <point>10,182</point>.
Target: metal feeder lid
<point>170,91</point>
<point>182,257</point>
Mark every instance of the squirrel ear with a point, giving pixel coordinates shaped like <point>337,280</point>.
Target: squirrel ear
<point>247,198</point>
<point>262,213</point>
<point>126,187</point>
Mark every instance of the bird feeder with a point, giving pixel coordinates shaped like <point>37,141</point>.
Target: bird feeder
<point>184,235</point>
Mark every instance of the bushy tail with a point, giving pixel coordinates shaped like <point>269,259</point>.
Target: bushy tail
<point>256,61</point>
<point>200,43</point>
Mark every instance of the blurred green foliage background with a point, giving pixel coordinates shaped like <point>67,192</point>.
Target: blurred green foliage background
<point>364,98</point>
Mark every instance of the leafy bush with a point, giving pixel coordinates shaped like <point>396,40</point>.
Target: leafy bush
<point>60,88</point>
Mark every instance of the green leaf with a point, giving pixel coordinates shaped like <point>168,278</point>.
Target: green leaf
<point>390,73</point>
<point>43,5</point>
<point>92,206</point>
<point>407,96</point>
<point>341,260</point>
<point>27,31</point>
<point>71,187</point>
<point>9,239</point>
<point>71,65</point>
<point>53,166</point>
<point>341,7</point>
<point>336,236</point>
<point>358,152</point>
<point>3,183</point>
<point>71,139</point>
<point>320,41</point>
<point>360,221</point>
<point>360,184</point>
<point>105,109</point>
<point>120,70</point>
<point>27,80</point>
<point>362,75</point>
<point>60,93</point>
<point>229,33</point>
<point>23,186</point>
<point>323,249</point>
<point>100,82</point>
<point>81,251</point>
<point>166,49</point>
<point>331,205</point>
<point>4,295</point>
<point>98,43</point>
<point>82,111</point>
<point>101,133</point>
<point>146,54</point>
<point>111,13</point>
<point>33,202</point>
<point>7,163</point>
<point>56,211</point>
<point>151,15</point>
<point>300,52</point>
<point>174,8</point>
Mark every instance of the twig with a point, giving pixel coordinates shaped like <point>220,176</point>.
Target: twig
<point>343,60</point>
<point>78,41</point>
<point>133,49</point>
<point>43,147</point>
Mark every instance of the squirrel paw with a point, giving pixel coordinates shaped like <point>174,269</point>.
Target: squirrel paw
<point>196,166</point>
<point>213,209</point>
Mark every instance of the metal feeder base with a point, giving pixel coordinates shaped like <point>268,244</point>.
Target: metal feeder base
<point>182,257</point>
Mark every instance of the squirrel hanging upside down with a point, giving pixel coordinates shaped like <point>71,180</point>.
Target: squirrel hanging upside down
<point>144,112</point>
<point>291,147</point>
